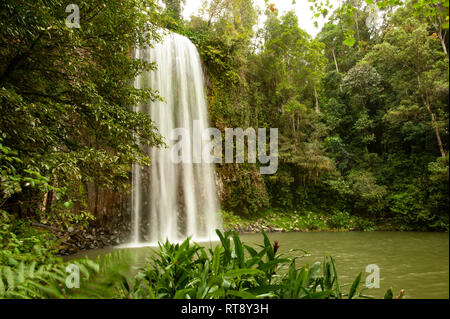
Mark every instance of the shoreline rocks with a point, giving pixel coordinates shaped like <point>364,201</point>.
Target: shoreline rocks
<point>95,237</point>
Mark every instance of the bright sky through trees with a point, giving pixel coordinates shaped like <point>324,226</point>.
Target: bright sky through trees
<point>306,18</point>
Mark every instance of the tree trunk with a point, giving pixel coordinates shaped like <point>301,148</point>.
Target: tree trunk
<point>442,38</point>
<point>436,129</point>
<point>427,104</point>
<point>49,201</point>
<point>293,124</point>
<point>441,32</point>
<point>335,61</point>
<point>317,100</point>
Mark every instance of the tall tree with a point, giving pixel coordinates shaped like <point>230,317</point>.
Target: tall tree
<point>174,9</point>
<point>412,53</point>
<point>67,93</point>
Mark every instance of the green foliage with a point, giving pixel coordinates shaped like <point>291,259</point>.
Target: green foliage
<point>339,220</point>
<point>437,11</point>
<point>306,221</point>
<point>231,271</point>
<point>12,181</point>
<point>274,88</point>
<point>172,17</point>
<point>387,112</point>
<point>362,83</point>
<point>27,281</point>
<point>357,129</point>
<point>20,242</point>
<point>362,110</point>
<point>66,95</point>
<point>103,278</point>
<point>246,191</point>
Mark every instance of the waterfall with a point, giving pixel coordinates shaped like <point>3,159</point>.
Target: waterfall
<point>174,201</point>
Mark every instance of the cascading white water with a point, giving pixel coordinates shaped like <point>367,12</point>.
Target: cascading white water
<point>174,201</point>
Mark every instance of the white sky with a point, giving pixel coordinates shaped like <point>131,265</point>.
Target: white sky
<point>305,15</point>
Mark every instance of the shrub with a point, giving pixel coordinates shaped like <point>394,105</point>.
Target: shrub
<point>235,270</point>
<point>19,241</point>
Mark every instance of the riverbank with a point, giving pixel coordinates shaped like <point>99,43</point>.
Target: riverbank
<point>283,221</point>
<point>117,232</point>
<point>271,221</point>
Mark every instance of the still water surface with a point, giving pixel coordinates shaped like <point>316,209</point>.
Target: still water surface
<point>415,262</point>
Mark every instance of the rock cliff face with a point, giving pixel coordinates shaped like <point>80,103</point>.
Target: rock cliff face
<point>113,217</point>
<point>112,225</point>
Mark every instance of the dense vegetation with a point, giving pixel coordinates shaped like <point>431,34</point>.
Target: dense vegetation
<point>362,112</point>
<point>362,109</point>
<point>66,120</point>
<point>186,271</point>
